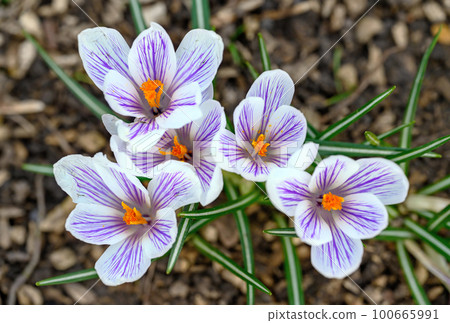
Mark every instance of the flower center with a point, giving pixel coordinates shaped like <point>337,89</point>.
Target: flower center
<point>132,216</point>
<point>332,202</point>
<point>260,146</point>
<point>178,150</point>
<point>153,89</point>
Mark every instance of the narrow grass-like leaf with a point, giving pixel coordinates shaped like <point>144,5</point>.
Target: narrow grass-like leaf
<point>338,97</point>
<point>74,277</point>
<point>224,208</point>
<point>436,187</point>
<point>183,230</point>
<point>200,14</point>
<point>138,18</point>
<point>87,99</point>
<point>419,151</point>
<point>395,130</point>
<point>292,267</point>
<point>265,58</point>
<point>46,170</point>
<point>372,138</point>
<point>251,70</point>
<point>235,55</point>
<point>327,148</point>
<point>282,232</point>
<point>245,237</point>
<point>341,125</point>
<point>394,234</point>
<point>439,220</point>
<point>429,215</point>
<point>418,293</point>
<point>198,224</point>
<point>229,264</point>
<point>411,107</point>
<point>442,246</point>
<point>311,132</point>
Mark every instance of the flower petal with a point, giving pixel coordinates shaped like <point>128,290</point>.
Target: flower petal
<point>208,93</point>
<point>362,216</point>
<point>338,258</point>
<point>102,50</point>
<point>152,56</point>
<point>123,262</point>
<point>331,173</point>
<point>380,177</point>
<point>175,186</point>
<point>275,88</point>
<point>211,180</point>
<point>182,109</point>
<point>213,121</point>
<point>161,235</point>
<point>255,168</point>
<point>122,96</point>
<point>304,157</point>
<point>247,121</point>
<point>228,155</point>
<point>287,188</point>
<point>97,224</point>
<point>310,223</point>
<point>198,57</point>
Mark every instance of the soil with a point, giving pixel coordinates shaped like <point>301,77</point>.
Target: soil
<point>41,121</point>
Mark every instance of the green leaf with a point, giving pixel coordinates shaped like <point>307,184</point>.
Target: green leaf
<point>252,70</point>
<point>138,18</point>
<point>215,255</point>
<point>74,277</point>
<point>311,132</point>
<point>395,130</point>
<point>225,208</point>
<point>418,293</point>
<point>439,220</point>
<point>372,138</point>
<point>183,230</point>
<point>200,14</point>
<point>87,99</point>
<point>429,215</point>
<point>436,187</point>
<point>419,151</point>
<point>265,58</point>
<point>341,125</point>
<point>46,170</point>
<point>235,55</point>
<point>292,267</point>
<point>411,106</point>
<point>245,237</point>
<point>327,148</point>
<point>339,97</point>
<point>439,244</point>
<point>282,232</point>
<point>395,234</point>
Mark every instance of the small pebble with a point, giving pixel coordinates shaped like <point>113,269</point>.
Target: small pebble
<point>63,259</point>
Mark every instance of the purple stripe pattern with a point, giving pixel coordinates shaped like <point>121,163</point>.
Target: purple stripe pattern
<point>336,232</point>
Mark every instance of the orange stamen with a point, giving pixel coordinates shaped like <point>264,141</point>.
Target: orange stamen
<point>132,216</point>
<point>178,150</point>
<point>260,146</point>
<point>332,202</point>
<point>153,89</point>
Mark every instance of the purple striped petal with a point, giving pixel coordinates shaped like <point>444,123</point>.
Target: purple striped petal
<point>286,128</point>
<point>198,57</point>
<point>338,258</point>
<point>102,50</point>
<point>79,177</point>
<point>152,56</point>
<point>123,262</point>
<point>362,216</point>
<point>287,188</point>
<point>255,169</point>
<point>228,154</point>
<point>183,108</point>
<point>123,97</point>
<point>208,93</point>
<point>138,131</point>
<point>211,180</point>
<point>380,177</point>
<point>98,224</point>
<point>161,235</point>
<point>331,173</point>
<point>275,88</point>
<point>310,223</point>
<point>247,120</point>
<point>210,124</point>
<point>304,157</point>
<point>177,185</point>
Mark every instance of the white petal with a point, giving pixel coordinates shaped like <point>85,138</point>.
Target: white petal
<point>304,157</point>
<point>310,223</point>
<point>161,235</point>
<point>247,119</point>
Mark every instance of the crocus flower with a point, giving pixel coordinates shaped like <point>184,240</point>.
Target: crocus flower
<point>341,203</point>
<point>268,130</point>
<point>151,82</point>
<point>190,144</point>
<point>114,208</point>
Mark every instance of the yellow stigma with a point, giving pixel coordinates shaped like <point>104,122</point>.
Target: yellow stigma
<point>260,146</point>
<point>178,150</point>
<point>153,89</point>
<point>132,216</point>
<point>332,202</point>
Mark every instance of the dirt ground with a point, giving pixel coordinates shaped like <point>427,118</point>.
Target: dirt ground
<point>41,121</point>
